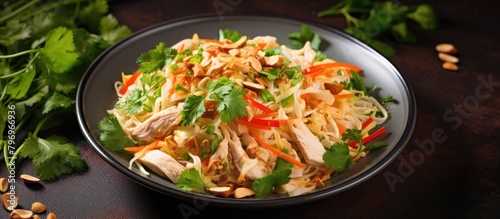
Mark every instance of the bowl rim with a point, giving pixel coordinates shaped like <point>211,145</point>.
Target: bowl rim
<point>250,203</point>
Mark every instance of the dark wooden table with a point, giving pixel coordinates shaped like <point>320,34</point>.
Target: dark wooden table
<point>450,167</point>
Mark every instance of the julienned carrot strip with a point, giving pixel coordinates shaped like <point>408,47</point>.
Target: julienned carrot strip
<point>257,105</point>
<point>152,146</point>
<point>265,115</point>
<point>205,162</point>
<point>369,137</point>
<point>366,123</point>
<point>318,176</point>
<point>278,153</point>
<point>337,65</point>
<point>129,82</point>
<point>340,96</point>
<point>342,128</point>
<point>253,125</point>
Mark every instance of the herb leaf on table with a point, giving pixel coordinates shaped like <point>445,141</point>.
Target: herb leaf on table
<point>44,51</point>
<point>368,19</point>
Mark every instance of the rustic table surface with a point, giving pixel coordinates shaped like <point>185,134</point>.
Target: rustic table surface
<point>458,118</point>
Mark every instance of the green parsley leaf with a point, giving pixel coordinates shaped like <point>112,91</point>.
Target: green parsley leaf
<point>190,180</point>
<point>337,157</point>
<point>112,135</point>
<point>53,156</point>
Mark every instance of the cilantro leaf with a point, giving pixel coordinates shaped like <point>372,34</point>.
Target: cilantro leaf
<point>57,101</point>
<point>273,74</point>
<point>425,16</point>
<point>387,99</point>
<point>337,157</point>
<point>190,180</point>
<point>20,84</point>
<point>112,135</point>
<point>228,98</point>
<point>280,176</point>
<point>359,84</point>
<point>59,52</point>
<point>91,13</point>
<point>232,106</point>
<point>299,39</point>
<point>232,35</point>
<point>133,102</point>
<point>111,31</point>
<point>360,15</point>
<point>14,31</point>
<point>157,58</point>
<point>192,109</point>
<point>53,156</point>
<point>263,186</point>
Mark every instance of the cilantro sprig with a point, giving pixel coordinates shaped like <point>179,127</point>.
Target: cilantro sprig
<point>190,180</point>
<point>227,95</point>
<point>280,176</point>
<point>156,58</point>
<point>45,47</point>
<point>299,39</point>
<point>367,19</point>
<point>337,156</point>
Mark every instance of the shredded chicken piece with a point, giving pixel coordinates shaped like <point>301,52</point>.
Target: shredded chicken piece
<point>157,126</point>
<point>310,147</point>
<point>240,157</point>
<point>162,164</point>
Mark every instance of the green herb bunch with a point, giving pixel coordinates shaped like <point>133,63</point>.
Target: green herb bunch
<point>45,48</point>
<point>367,19</point>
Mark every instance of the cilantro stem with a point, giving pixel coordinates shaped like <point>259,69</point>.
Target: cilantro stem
<point>17,11</point>
<point>18,54</point>
<point>35,133</point>
<point>22,71</point>
<point>4,91</point>
<point>5,155</point>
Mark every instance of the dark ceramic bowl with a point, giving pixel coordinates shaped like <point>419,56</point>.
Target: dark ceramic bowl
<point>96,94</point>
